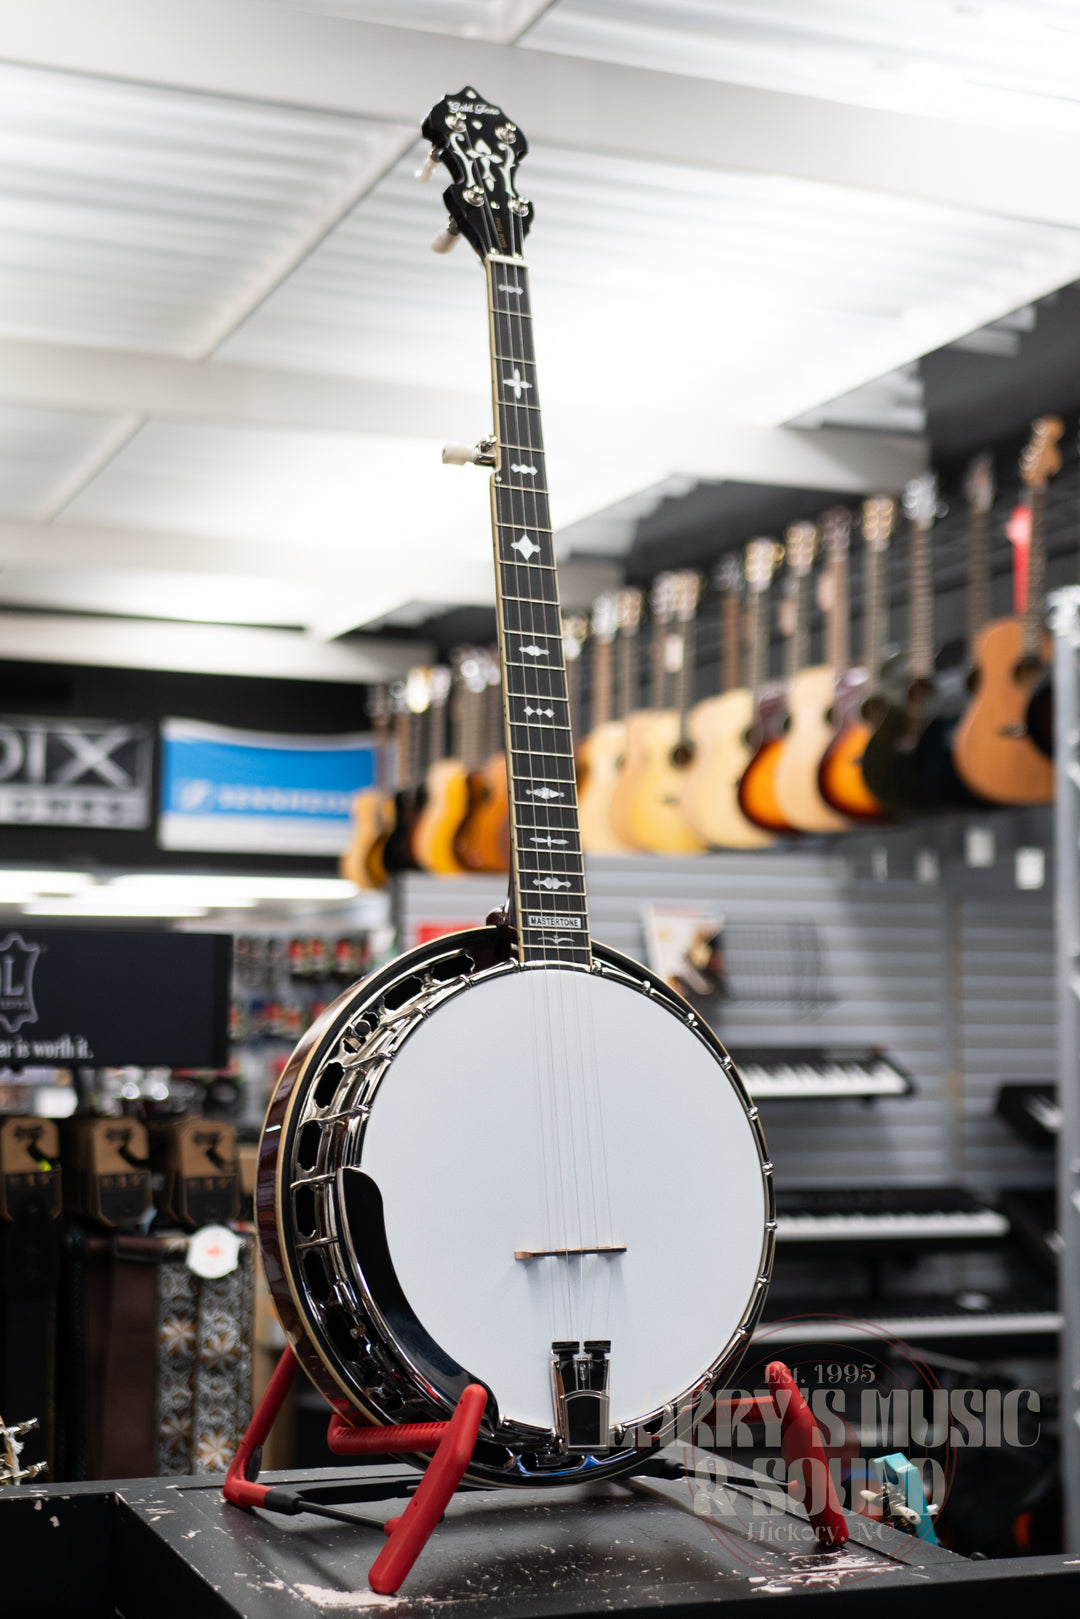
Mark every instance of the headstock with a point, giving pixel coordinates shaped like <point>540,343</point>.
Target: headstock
<point>575,627</point>
<point>481,148</point>
<point>760,563</point>
<point>979,483</point>
<point>1042,458</point>
<point>418,690</point>
<point>836,530</point>
<point>728,576</point>
<point>878,521</point>
<point>800,542</point>
<point>629,606</point>
<point>379,704</point>
<point>470,669</point>
<point>605,616</point>
<point>662,598</point>
<point>440,681</point>
<point>686,587</point>
<point>921,500</point>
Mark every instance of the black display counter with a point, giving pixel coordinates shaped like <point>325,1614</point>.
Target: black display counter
<point>174,1549</point>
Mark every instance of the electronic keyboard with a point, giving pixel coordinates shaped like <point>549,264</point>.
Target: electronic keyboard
<point>917,1320</point>
<point>790,1072</point>
<point>1032,1111</point>
<point>887,1215</point>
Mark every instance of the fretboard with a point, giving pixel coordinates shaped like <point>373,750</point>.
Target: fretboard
<point>978,576</point>
<point>921,633</point>
<point>547,869</point>
<point>875,627</point>
<point>1036,573</point>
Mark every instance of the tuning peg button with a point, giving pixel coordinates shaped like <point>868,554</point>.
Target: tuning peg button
<point>428,167</point>
<point>470,455</point>
<point>447,239</point>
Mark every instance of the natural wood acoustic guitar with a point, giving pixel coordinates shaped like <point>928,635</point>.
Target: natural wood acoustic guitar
<point>993,751</point>
<point>859,701</point>
<point>719,726</point>
<point>367,805</point>
<point>446,792</point>
<point>483,839</point>
<point>758,797</point>
<point>615,619</point>
<point>647,802</point>
<point>812,691</point>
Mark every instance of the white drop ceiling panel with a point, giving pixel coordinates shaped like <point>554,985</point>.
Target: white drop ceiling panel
<point>660,292</point>
<point>36,448</point>
<point>136,218</point>
<point>1014,64</point>
<point>222,599</point>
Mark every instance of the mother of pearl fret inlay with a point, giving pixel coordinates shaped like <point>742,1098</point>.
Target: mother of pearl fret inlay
<point>542,792</point>
<point>559,842</point>
<point>526,546</point>
<point>549,883</point>
<point>516,466</point>
<point>516,383</point>
<point>533,651</point>
<point>550,712</point>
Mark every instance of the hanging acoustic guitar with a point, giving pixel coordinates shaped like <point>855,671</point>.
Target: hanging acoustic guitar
<point>484,1163</point>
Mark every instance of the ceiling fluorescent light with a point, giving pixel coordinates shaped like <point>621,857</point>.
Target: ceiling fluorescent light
<point>91,905</point>
<point>43,882</point>
<point>230,889</point>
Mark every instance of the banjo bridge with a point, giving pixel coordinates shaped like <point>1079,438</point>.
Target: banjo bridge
<point>579,1381</point>
<point>551,1253</point>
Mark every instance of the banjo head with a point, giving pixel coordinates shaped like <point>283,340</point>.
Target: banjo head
<point>473,1170</point>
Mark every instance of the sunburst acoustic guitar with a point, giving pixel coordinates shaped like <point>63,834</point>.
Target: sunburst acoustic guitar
<point>992,749</point>
<point>758,797</point>
<point>720,726</point>
<point>860,704</point>
<point>647,802</point>
<point>812,695</point>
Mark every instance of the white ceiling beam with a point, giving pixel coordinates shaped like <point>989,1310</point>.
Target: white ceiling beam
<point>117,382</point>
<point>214,649</point>
<point>274,53</point>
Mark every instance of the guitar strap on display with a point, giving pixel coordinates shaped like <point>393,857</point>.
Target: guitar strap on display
<point>112,1300</point>
<point>29,1267</point>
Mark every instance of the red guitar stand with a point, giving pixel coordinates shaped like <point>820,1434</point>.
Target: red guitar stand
<point>453,1443</point>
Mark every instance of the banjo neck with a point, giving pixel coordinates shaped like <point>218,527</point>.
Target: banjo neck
<point>547,872</point>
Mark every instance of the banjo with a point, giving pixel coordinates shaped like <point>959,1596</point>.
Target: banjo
<point>514,1156</point>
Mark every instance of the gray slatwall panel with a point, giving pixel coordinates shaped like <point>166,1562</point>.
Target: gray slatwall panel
<point>1006,1029</point>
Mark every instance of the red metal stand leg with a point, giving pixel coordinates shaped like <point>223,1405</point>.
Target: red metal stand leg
<point>240,1487</point>
<point>804,1453</point>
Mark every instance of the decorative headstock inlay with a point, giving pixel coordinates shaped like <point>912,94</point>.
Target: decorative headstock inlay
<point>481,148</point>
